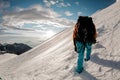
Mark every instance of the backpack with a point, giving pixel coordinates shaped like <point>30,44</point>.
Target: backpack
<point>86,30</point>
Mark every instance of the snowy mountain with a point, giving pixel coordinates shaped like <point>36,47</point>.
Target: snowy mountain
<point>55,59</point>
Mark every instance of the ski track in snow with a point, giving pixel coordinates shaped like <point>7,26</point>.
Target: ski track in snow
<point>55,58</point>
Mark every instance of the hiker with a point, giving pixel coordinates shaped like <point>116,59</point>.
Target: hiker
<point>84,35</point>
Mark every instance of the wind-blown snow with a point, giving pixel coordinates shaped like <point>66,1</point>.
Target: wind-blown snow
<point>55,59</point>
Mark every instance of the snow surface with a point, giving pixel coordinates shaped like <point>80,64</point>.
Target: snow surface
<point>55,59</point>
<point>5,57</point>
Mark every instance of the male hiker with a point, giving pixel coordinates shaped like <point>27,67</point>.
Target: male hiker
<point>84,36</point>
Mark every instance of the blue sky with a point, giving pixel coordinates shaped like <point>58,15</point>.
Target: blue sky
<point>75,7</point>
<point>39,16</point>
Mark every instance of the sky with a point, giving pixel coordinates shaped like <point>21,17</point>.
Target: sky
<point>44,18</point>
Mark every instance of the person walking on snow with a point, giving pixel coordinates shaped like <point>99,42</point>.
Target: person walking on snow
<point>84,35</point>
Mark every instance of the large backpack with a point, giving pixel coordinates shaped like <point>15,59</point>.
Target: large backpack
<point>86,30</point>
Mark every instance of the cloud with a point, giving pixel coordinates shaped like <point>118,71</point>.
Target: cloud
<point>35,14</point>
<point>2,30</point>
<point>79,13</point>
<point>68,13</point>
<point>18,9</point>
<point>16,28</point>
<point>4,5</point>
<point>49,3</point>
<point>58,3</point>
<point>77,3</point>
<point>62,4</point>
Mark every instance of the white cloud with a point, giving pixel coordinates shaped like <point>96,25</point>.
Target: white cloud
<point>2,29</point>
<point>77,3</point>
<point>18,9</point>
<point>53,2</point>
<point>4,5</point>
<point>62,4</point>
<point>35,14</point>
<point>68,13</point>
<point>59,3</point>
<point>79,13</point>
<point>49,3</point>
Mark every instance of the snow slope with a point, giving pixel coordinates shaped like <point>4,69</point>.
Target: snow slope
<point>55,59</point>
<point>5,57</point>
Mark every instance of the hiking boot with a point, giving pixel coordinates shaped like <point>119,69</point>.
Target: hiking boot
<point>79,71</point>
<point>87,59</point>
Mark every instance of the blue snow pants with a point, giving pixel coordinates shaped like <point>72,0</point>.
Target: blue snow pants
<point>81,47</point>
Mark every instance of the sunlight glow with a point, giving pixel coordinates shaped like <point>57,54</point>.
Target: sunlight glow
<point>50,33</point>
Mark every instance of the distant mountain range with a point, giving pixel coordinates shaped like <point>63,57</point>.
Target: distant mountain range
<point>15,48</point>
